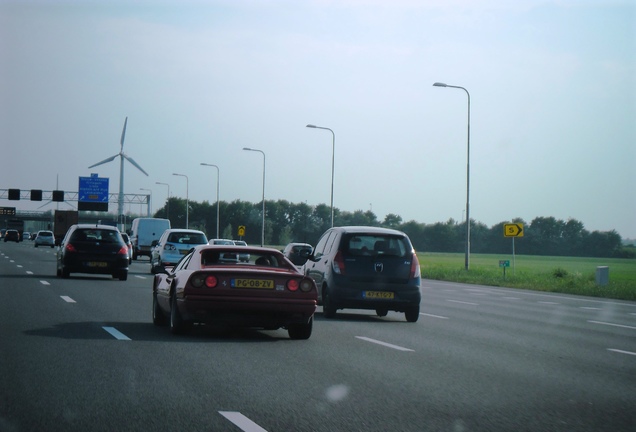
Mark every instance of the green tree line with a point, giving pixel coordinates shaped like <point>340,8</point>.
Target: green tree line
<point>299,222</point>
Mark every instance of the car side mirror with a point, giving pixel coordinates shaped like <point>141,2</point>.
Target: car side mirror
<point>154,243</point>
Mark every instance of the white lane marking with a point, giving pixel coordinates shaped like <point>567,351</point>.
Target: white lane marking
<point>589,308</point>
<point>433,316</point>
<point>399,348</point>
<point>116,333</point>
<point>612,324</point>
<point>511,298</point>
<point>463,302</point>
<point>548,303</point>
<point>19,266</point>
<point>621,351</point>
<point>29,272</point>
<point>140,277</point>
<point>11,261</point>
<point>44,282</point>
<point>244,423</point>
<point>67,299</point>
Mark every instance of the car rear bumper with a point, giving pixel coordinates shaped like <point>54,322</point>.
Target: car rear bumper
<point>96,265</point>
<point>356,296</point>
<point>247,311</point>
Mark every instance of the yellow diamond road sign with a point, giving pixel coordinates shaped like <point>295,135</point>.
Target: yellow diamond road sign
<point>513,230</point>
<point>241,230</point>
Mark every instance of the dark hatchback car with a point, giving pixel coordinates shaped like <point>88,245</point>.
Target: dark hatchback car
<point>12,235</point>
<point>366,268</point>
<point>95,249</point>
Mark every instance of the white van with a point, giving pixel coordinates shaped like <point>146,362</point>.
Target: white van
<point>143,232</point>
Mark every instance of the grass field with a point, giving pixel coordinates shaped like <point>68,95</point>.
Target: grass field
<point>554,274</point>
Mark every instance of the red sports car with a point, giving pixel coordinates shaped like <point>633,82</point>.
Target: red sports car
<point>209,285</point>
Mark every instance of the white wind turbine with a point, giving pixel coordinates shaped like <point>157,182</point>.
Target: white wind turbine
<point>122,156</point>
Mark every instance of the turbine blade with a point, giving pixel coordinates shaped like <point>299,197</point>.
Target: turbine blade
<point>123,135</point>
<point>129,159</point>
<point>104,161</point>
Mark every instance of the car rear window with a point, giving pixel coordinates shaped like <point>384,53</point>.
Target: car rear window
<point>187,238</point>
<point>46,234</point>
<point>375,245</point>
<point>96,234</point>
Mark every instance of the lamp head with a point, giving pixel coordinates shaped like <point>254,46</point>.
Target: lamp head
<point>439,84</point>
<point>310,126</point>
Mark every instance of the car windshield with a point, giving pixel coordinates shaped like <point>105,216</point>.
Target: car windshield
<point>96,234</point>
<point>375,245</point>
<point>187,238</point>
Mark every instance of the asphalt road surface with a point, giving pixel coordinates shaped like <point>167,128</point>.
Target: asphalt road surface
<point>82,354</point>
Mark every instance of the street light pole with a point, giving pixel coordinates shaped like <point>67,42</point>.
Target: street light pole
<point>217,195</point>
<point>149,200</point>
<point>167,200</point>
<point>467,257</point>
<point>187,198</point>
<point>333,158</point>
<point>263,223</point>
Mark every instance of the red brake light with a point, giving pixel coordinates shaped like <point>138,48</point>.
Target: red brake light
<point>292,285</point>
<point>123,250</point>
<point>416,271</point>
<point>211,281</point>
<point>338,263</point>
<point>69,247</point>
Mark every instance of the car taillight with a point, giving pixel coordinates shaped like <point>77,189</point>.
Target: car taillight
<point>70,248</point>
<point>338,264</point>
<point>292,285</point>
<point>123,251</point>
<point>416,272</point>
<point>199,280</point>
<point>169,247</point>
<point>306,285</point>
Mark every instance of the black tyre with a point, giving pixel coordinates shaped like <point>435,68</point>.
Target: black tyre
<point>300,331</point>
<point>158,318</point>
<point>412,314</point>
<point>328,308</point>
<point>123,275</point>
<point>177,324</point>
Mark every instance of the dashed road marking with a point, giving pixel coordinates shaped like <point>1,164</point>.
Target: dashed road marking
<point>244,423</point>
<point>116,333</point>
<point>67,299</point>
<point>399,348</point>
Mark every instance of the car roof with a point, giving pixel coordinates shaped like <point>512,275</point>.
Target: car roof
<point>183,230</point>
<point>368,230</point>
<point>95,226</point>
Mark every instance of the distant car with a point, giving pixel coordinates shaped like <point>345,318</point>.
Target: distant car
<point>26,235</point>
<point>44,238</point>
<point>366,268</point>
<point>267,292</point>
<point>12,235</point>
<point>243,257</point>
<point>129,245</point>
<point>173,245</point>
<point>225,242</point>
<point>298,252</point>
<point>95,249</point>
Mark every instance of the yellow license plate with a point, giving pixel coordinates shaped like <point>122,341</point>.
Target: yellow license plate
<point>97,264</point>
<point>253,283</point>
<point>379,295</point>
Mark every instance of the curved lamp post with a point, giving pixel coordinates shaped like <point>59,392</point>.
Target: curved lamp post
<point>333,154</point>
<point>467,257</point>
<point>217,195</point>
<point>263,228</point>
<point>187,198</point>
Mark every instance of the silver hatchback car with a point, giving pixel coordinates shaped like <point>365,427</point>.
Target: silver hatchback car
<point>44,238</point>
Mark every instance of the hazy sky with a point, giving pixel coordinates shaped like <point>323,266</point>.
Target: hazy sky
<point>552,86</point>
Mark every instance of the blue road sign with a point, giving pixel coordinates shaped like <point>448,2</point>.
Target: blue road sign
<point>93,189</point>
